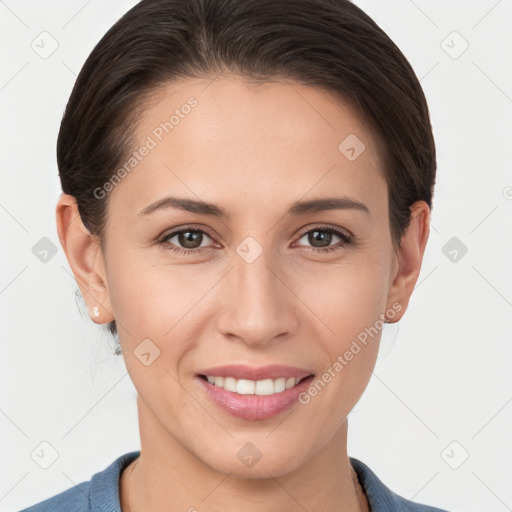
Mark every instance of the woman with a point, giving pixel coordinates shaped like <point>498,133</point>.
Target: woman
<point>247,187</point>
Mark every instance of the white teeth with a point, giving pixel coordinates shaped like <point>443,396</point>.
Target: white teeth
<point>290,382</point>
<point>252,387</point>
<point>229,384</point>
<point>280,384</point>
<point>245,387</point>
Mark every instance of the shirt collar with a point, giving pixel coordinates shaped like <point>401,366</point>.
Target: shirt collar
<point>104,487</point>
<point>380,497</point>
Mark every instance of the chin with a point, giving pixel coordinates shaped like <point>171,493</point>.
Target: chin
<point>250,462</point>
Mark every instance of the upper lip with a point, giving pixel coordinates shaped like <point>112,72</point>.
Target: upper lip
<point>240,371</point>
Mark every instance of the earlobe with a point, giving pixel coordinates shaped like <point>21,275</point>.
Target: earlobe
<point>85,258</point>
<point>410,256</point>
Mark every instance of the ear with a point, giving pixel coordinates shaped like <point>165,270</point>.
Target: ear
<point>409,258</point>
<point>85,258</point>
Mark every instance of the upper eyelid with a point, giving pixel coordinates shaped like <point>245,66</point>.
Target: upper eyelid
<point>326,228</point>
<point>174,232</point>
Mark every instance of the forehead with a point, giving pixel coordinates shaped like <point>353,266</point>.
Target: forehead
<point>229,139</point>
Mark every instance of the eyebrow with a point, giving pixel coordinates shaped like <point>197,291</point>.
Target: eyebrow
<point>298,208</point>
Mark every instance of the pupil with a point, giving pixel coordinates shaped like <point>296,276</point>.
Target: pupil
<point>320,236</point>
<point>188,239</point>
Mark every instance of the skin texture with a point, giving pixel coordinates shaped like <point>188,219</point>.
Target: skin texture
<point>254,150</point>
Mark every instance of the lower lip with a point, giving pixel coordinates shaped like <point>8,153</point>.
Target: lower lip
<point>254,407</point>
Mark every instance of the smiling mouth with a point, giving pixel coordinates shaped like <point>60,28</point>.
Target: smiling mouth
<point>254,387</point>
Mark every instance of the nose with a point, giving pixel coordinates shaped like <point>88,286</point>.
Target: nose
<point>257,304</point>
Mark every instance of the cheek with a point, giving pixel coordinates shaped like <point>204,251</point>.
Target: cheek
<point>154,306</point>
<point>349,301</point>
<point>353,349</point>
<point>151,300</point>
<point>347,297</point>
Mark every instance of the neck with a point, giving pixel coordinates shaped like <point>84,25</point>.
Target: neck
<point>168,476</point>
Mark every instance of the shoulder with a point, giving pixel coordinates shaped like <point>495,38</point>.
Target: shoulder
<point>74,499</point>
<point>383,499</point>
<point>101,492</point>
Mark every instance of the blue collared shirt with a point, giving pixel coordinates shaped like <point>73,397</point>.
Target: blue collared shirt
<point>101,493</point>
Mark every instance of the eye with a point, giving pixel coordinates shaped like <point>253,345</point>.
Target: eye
<point>187,241</point>
<point>190,240</point>
<point>321,237</point>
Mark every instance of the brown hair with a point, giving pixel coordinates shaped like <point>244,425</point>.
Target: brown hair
<point>330,44</point>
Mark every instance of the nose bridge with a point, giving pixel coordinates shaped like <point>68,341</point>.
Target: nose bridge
<point>257,305</point>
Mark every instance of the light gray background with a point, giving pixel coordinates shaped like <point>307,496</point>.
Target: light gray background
<point>440,392</point>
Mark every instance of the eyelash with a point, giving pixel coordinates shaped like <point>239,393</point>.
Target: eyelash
<point>345,239</point>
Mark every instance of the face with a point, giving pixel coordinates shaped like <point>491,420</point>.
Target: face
<point>268,282</point>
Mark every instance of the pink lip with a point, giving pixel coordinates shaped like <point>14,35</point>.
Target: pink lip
<point>240,371</point>
<point>254,407</point>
